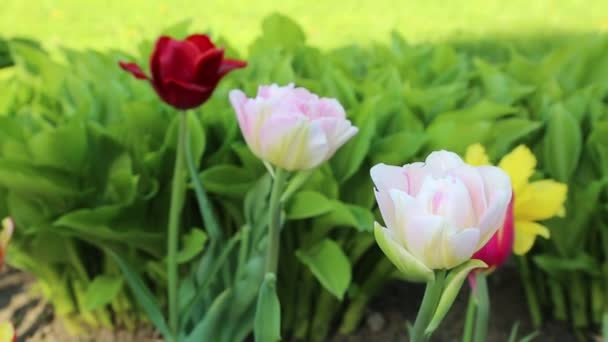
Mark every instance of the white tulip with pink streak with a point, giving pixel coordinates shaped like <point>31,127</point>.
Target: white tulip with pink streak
<point>438,213</point>
<point>291,127</point>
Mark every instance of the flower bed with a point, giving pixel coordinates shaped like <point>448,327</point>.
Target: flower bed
<point>86,160</point>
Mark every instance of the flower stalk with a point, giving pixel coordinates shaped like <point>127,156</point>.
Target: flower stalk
<point>274,221</point>
<point>178,188</point>
<point>432,293</point>
<point>483,307</point>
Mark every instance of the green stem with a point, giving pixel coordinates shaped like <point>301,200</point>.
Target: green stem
<point>483,307</point>
<point>177,202</point>
<point>274,221</point>
<point>532,299</point>
<point>427,307</point>
<point>469,323</point>
<point>204,205</point>
<point>605,327</point>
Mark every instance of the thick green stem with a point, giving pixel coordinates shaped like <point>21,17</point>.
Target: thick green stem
<point>483,307</point>
<point>274,221</point>
<point>427,307</point>
<point>469,323</point>
<point>177,202</point>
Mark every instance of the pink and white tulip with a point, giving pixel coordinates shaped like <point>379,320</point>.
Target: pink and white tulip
<point>291,127</point>
<point>438,213</point>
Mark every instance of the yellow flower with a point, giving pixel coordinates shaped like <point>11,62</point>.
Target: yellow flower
<point>534,201</point>
<point>7,332</point>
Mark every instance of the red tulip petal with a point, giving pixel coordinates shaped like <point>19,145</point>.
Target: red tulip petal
<point>160,46</point>
<point>202,42</point>
<point>228,65</point>
<point>182,95</point>
<point>207,66</point>
<point>134,69</point>
<point>173,59</point>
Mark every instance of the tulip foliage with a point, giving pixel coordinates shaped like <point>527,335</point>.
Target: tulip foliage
<point>86,156</point>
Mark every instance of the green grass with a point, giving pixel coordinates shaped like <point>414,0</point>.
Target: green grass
<point>118,23</point>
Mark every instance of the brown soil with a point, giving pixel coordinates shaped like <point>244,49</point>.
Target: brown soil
<point>33,317</point>
<point>388,315</point>
<point>385,319</point>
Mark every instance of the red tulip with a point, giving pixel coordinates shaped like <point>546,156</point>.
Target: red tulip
<point>185,73</point>
<point>498,249</point>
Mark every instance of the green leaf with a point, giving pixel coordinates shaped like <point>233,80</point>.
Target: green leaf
<point>36,181</point>
<point>349,158</point>
<point>64,147</point>
<point>398,148</point>
<point>142,294</point>
<point>208,328</point>
<point>228,180</point>
<point>102,291</point>
<point>267,324</point>
<point>346,215</point>
<point>562,144</point>
<point>452,286</point>
<point>405,262</point>
<point>278,31</point>
<point>329,264</point>
<point>499,86</point>
<point>307,204</point>
<point>193,243</point>
<point>559,266</point>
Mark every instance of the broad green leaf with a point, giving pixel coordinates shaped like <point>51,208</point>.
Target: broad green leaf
<point>346,215</point>
<point>432,100</point>
<point>562,144</point>
<point>597,143</point>
<point>397,149</point>
<point>452,286</point>
<point>329,264</point>
<point>278,31</point>
<point>227,180</point>
<point>456,135</point>
<point>63,148</point>
<point>307,204</point>
<point>267,324</point>
<point>482,110</point>
<point>506,133</point>
<point>102,290</point>
<point>349,158</point>
<point>498,85</point>
<point>36,181</point>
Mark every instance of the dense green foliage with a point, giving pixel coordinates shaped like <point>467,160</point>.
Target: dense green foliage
<point>86,155</point>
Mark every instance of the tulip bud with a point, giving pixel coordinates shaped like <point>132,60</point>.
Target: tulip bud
<point>290,127</point>
<point>498,249</point>
<point>438,213</point>
<point>185,73</point>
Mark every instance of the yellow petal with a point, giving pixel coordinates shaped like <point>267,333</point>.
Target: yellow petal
<point>7,332</point>
<point>540,200</point>
<point>519,164</point>
<point>525,234</point>
<point>476,155</point>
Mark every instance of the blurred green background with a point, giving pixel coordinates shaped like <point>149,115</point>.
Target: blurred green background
<point>117,23</point>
